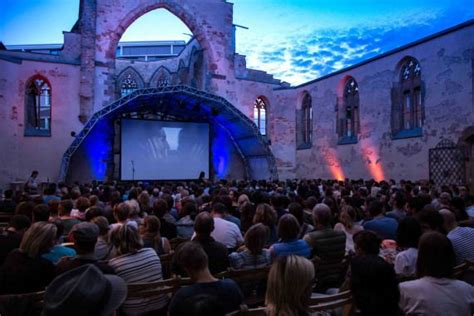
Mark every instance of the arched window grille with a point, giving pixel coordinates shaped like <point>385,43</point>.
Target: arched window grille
<point>348,113</point>
<point>38,107</point>
<point>260,115</point>
<point>128,85</point>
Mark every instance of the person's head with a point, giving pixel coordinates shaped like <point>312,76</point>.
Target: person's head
<point>84,291</point>
<point>218,209</point>
<point>297,210</point>
<point>126,239</point>
<point>19,223</point>
<point>204,224</point>
<point>347,216</point>
<point>82,204</point>
<point>34,174</point>
<point>289,286</point>
<point>151,224</point>
<point>366,242</point>
<point>445,198</point>
<point>103,225</point>
<point>398,200</point>
<point>449,219</point>
<point>85,236</point>
<point>288,227</point>
<point>192,258</point>
<point>25,208</point>
<point>375,208</point>
<point>65,207</point>
<point>243,198</point>
<point>408,233</point>
<point>38,239</point>
<point>321,216</point>
<point>121,212</point>
<point>374,286</point>
<point>41,213</point>
<point>93,212</point>
<point>265,214</point>
<point>189,207</point>
<point>436,256</point>
<point>160,207</point>
<point>8,194</point>
<point>256,238</point>
<point>431,220</point>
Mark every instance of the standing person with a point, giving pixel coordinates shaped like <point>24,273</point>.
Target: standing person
<point>436,293</point>
<point>136,264</point>
<point>224,294</point>
<point>289,286</point>
<point>31,185</point>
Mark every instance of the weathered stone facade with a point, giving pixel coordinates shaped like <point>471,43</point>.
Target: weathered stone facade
<point>85,76</point>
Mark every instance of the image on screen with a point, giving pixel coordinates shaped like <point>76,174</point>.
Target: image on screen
<point>162,150</point>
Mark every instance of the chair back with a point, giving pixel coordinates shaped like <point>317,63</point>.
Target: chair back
<point>252,282</point>
<point>152,289</point>
<point>166,264</point>
<point>329,273</point>
<point>245,311</point>
<point>330,302</point>
<point>22,304</point>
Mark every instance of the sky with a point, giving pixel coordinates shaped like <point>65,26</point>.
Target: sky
<point>296,41</point>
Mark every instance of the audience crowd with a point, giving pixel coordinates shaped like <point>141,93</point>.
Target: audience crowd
<point>84,243</point>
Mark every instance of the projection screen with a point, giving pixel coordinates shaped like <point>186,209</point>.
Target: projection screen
<point>163,150</point>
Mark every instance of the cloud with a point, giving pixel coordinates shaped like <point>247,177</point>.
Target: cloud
<point>307,56</point>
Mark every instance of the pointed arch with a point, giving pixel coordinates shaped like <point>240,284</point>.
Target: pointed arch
<point>128,81</point>
<point>408,99</point>
<point>347,111</point>
<point>38,92</point>
<point>161,77</point>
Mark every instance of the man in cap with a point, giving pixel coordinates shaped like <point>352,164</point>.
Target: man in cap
<point>84,236</point>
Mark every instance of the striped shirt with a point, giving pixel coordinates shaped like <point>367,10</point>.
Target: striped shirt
<point>245,260</point>
<point>462,239</point>
<point>139,267</point>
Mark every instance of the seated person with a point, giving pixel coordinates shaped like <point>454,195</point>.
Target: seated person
<point>7,205</point>
<point>289,244</point>
<point>24,270</point>
<point>192,258</point>
<point>408,235</point>
<point>84,236</point>
<point>58,251</point>
<point>65,209</point>
<point>84,291</point>
<point>103,248</point>
<point>151,236</point>
<point>253,255</point>
<point>10,238</point>
<point>289,286</point>
<point>385,227</point>
<point>436,292</point>
<point>374,286</point>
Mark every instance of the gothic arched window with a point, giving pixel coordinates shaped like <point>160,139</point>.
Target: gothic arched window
<point>38,107</point>
<point>407,101</point>
<point>260,115</point>
<point>348,122</point>
<point>307,119</point>
<point>128,85</point>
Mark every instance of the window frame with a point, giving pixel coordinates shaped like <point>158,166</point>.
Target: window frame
<point>349,121</point>
<point>34,91</point>
<point>259,107</point>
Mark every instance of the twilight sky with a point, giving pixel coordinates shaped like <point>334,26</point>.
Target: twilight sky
<point>297,41</point>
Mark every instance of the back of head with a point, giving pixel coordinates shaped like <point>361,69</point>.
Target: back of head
<point>375,208</point>
<point>82,204</point>
<point>219,208</point>
<point>322,215</point>
<point>265,214</point>
<point>85,236</point>
<point>297,210</point>
<point>65,207</point>
<point>408,233</point>
<point>122,211</point>
<point>256,238</point>
<point>204,224</point>
<point>288,227</point>
<point>25,208</point>
<point>93,212</point>
<point>102,223</point>
<point>289,286</point>
<point>20,223</point>
<point>41,213</point>
<point>374,286</point>
<point>126,239</point>
<point>367,242</point>
<point>38,239</point>
<point>436,256</point>
<point>160,207</point>
<point>191,257</point>
<point>152,224</point>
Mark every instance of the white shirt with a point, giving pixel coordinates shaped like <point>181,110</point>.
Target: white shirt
<point>405,262</point>
<point>436,297</point>
<point>227,233</point>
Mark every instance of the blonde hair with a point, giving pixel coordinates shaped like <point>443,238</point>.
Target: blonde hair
<point>126,239</point>
<point>289,286</point>
<point>38,239</point>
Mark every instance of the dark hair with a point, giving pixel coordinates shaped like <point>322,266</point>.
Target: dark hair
<point>121,211</point>
<point>368,242</point>
<point>288,227</point>
<point>191,257</point>
<point>41,213</point>
<point>219,208</point>
<point>256,238</point>
<point>431,219</point>
<point>296,209</point>
<point>126,239</point>
<point>408,233</point>
<point>400,199</point>
<point>93,212</point>
<point>25,208</point>
<point>374,286</point>
<point>436,256</point>
<point>66,207</point>
<point>20,222</point>
<point>82,204</point>
<point>375,208</point>
<point>160,207</point>
<point>204,224</point>
<point>8,193</point>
